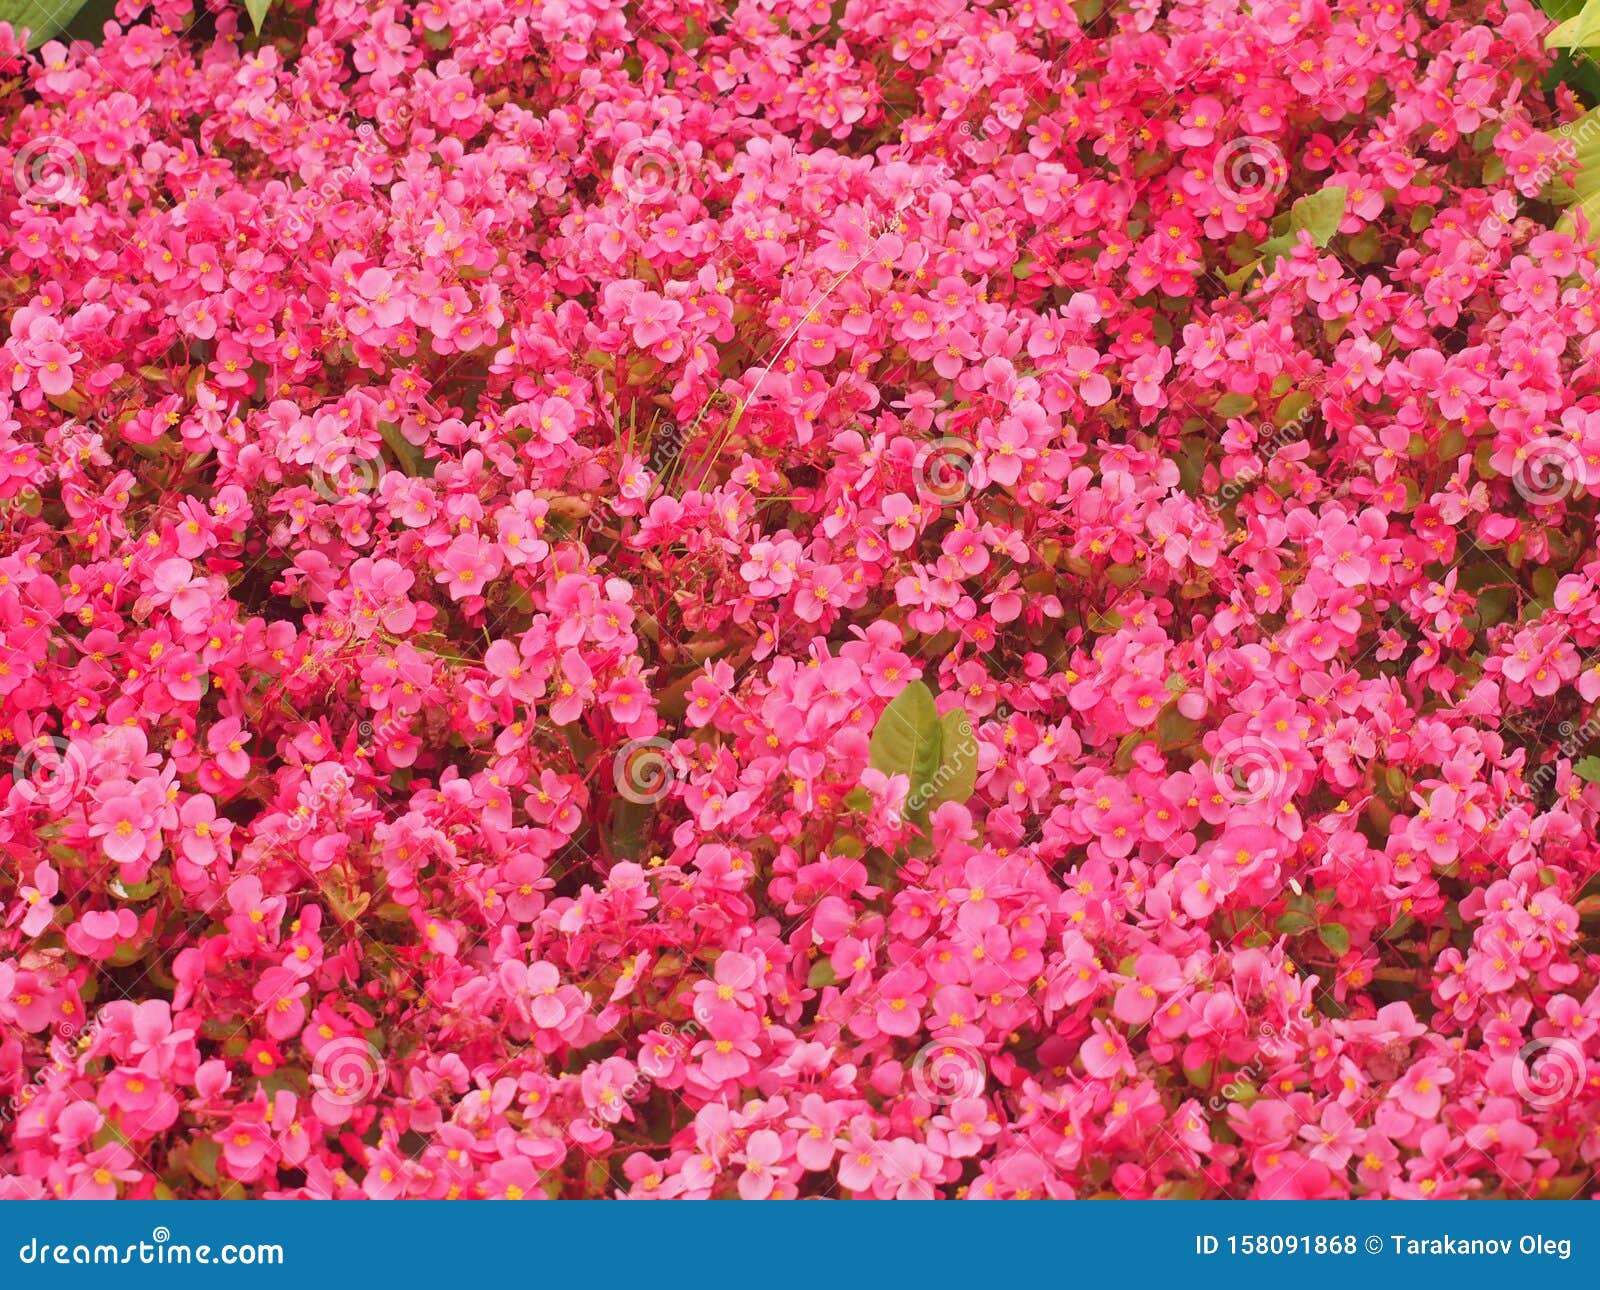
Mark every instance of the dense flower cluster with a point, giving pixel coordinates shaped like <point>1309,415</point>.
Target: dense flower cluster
<point>473,476</point>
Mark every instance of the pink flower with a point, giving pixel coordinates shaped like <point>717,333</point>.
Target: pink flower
<point>573,691</point>
<point>467,567</point>
<point>122,824</point>
<point>1105,1053</point>
<point>760,1156</point>
<point>572,626</point>
<point>36,898</point>
<point>963,1129</point>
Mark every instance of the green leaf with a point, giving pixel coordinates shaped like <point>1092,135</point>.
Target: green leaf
<point>257,9</point>
<point>1191,465</point>
<point>957,775</point>
<point>1122,762</point>
<point>906,741</point>
<point>821,974</point>
<point>1173,729</point>
<point>1318,213</point>
<point>1336,936</point>
<point>1293,408</point>
<point>42,18</point>
<point>1365,246</point>
<point>1579,144</point>
<point>1588,770</point>
<point>1240,1090</point>
<point>1235,281</point>
<point>1494,605</point>
<point>1579,31</point>
<point>630,828</point>
<point>202,1159</point>
<point>408,455</point>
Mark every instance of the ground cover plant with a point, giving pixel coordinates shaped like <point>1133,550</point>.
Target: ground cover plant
<point>875,599</point>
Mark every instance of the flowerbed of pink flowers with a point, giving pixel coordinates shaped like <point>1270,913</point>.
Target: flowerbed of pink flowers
<point>475,476</point>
